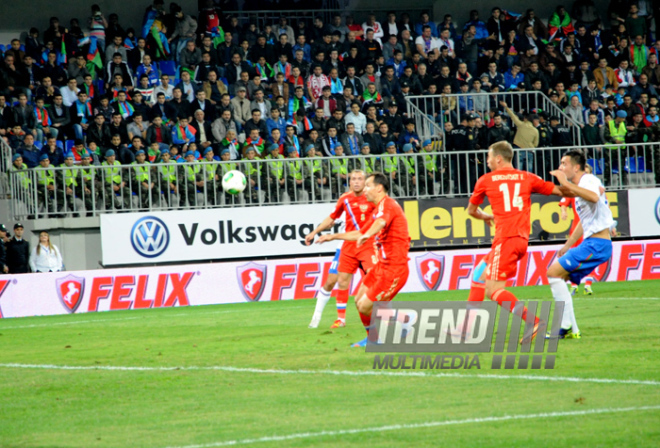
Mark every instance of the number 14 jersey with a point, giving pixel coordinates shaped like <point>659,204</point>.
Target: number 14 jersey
<point>509,192</point>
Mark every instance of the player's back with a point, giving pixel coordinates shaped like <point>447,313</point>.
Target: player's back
<point>394,240</point>
<point>509,192</point>
<point>595,216</point>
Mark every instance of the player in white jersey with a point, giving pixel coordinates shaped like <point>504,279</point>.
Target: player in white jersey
<point>596,247</point>
<point>324,293</point>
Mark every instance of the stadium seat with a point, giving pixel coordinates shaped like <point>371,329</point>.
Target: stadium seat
<point>60,144</point>
<point>68,145</point>
<point>596,165</point>
<point>634,165</point>
<point>2,48</point>
<point>39,144</point>
<point>100,86</point>
<point>168,68</point>
<point>22,48</point>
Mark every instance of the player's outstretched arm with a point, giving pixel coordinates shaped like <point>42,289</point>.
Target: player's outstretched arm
<point>376,227</point>
<point>570,187</point>
<point>474,211</point>
<point>347,236</point>
<point>326,224</point>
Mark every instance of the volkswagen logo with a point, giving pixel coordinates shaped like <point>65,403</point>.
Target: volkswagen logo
<point>657,210</point>
<point>150,237</point>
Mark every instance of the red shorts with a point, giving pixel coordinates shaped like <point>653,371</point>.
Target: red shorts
<point>385,281</point>
<point>502,260</point>
<point>351,258</point>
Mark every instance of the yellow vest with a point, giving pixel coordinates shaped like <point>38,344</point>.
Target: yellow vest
<point>112,175</point>
<point>618,134</point>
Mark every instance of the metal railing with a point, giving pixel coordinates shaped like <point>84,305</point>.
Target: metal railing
<point>5,163</point>
<point>307,180</point>
<point>453,107</point>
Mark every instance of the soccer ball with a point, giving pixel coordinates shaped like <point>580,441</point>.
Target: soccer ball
<point>233,182</point>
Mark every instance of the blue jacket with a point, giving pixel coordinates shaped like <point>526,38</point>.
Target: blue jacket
<point>510,82</point>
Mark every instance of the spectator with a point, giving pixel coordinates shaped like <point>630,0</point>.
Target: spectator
<point>45,256</point>
<point>18,252</point>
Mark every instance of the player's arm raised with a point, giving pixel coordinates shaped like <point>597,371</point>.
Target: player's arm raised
<point>474,211</point>
<point>325,225</point>
<point>566,185</point>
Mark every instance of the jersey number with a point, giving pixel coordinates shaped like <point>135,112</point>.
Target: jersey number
<point>517,200</point>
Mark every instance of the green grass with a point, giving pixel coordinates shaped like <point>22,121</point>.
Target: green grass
<point>109,408</point>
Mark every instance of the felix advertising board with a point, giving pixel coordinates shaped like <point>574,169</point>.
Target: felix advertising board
<point>235,282</point>
<point>220,234</point>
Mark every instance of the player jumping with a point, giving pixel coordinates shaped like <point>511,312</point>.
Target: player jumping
<point>390,227</point>
<point>594,227</point>
<point>509,192</point>
<point>358,211</point>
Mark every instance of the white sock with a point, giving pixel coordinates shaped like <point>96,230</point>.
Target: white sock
<point>561,293</point>
<point>322,299</point>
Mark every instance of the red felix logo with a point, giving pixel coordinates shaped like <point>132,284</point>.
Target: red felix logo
<point>252,278</point>
<point>3,287</point>
<point>70,290</point>
<point>430,269</point>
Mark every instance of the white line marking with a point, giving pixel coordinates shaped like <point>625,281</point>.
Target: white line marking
<point>121,319</point>
<point>343,432</point>
<point>614,298</point>
<point>333,373</point>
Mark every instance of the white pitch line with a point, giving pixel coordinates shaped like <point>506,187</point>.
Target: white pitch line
<point>378,429</point>
<point>334,373</point>
<point>614,298</point>
<point>121,319</point>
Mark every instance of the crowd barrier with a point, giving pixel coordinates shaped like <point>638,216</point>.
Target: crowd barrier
<point>92,190</point>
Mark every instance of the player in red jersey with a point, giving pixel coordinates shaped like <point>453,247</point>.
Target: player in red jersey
<point>390,226</point>
<point>509,192</point>
<point>357,211</point>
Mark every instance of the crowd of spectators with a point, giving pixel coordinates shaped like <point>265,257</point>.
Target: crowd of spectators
<point>207,87</point>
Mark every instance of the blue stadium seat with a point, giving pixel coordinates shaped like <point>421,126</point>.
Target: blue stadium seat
<point>68,145</point>
<point>2,48</point>
<point>100,86</point>
<point>634,165</point>
<point>168,68</point>
<point>39,145</point>
<point>22,47</point>
<point>60,144</point>
<point>596,165</point>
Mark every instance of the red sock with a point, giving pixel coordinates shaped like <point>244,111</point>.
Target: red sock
<point>588,281</point>
<point>477,292</point>
<point>366,321</point>
<point>508,301</point>
<point>342,300</point>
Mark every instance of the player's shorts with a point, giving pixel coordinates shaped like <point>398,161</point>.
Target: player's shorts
<point>503,258</point>
<point>335,263</point>
<point>580,261</point>
<point>385,281</point>
<point>353,258</point>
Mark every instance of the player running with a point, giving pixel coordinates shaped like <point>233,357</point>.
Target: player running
<point>390,227</point>
<point>594,227</point>
<point>357,210</point>
<point>509,192</point>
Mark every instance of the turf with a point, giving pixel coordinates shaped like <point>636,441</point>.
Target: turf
<point>46,407</point>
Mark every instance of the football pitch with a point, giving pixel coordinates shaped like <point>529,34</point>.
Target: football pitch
<point>253,374</point>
